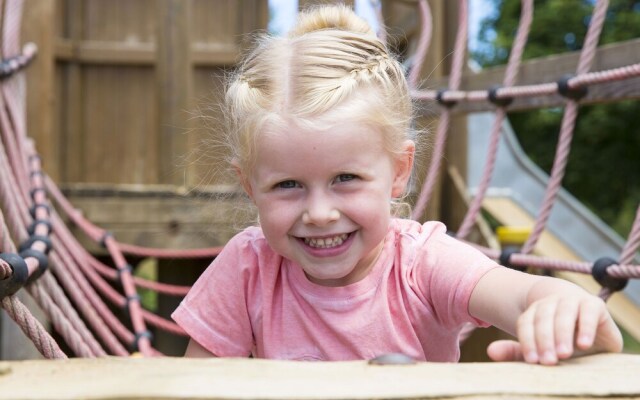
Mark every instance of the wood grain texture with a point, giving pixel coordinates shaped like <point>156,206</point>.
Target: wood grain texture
<point>594,377</point>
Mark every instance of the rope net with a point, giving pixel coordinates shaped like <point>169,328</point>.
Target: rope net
<point>39,255</point>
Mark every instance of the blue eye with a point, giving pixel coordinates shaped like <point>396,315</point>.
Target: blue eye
<point>345,177</point>
<point>287,184</point>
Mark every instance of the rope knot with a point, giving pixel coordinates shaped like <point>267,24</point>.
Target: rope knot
<point>18,276</point>
<point>600,274</point>
<point>571,93</point>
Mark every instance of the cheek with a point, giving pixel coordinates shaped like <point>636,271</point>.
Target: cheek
<point>372,209</point>
<point>275,216</point>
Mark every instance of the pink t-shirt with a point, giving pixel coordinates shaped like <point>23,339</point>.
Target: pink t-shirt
<point>414,301</point>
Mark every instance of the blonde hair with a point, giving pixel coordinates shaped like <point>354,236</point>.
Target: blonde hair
<point>331,67</point>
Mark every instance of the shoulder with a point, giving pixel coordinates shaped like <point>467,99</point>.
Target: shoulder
<point>414,233</point>
<point>430,243</point>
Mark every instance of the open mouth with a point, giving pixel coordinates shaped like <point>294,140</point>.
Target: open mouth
<point>326,242</point>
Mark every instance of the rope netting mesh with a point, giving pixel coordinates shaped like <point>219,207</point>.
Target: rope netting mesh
<point>77,292</point>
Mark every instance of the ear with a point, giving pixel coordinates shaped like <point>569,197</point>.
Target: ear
<point>243,178</point>
<point>403,165</point>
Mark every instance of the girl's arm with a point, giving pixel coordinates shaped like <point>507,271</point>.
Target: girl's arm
<point>194,349</point>
<point>552,319</point>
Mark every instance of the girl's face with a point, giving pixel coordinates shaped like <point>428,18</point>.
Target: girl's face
<point>324,197</point>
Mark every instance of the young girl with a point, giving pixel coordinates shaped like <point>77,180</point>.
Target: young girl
<point>319,127</point>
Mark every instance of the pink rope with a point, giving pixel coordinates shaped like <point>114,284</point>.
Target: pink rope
<point>621,271</point>
<point>5,270</point>
<point>73,275</point>
<point>443,126</point>
<point>87,265</point>
<point>55,291</point>
<point>169,253</point>
<point>543,89</point>
<point>111,274</point>
<point>567,127</point>
<point>60,321</point>
<point>134,306</point>
<point>633,241</point>
<point>13,152</point>
<point>97,234</point>
<point>32,328</point>
<point>13,89</point>
<point>424,42</point>
<point>515,58</point>
<point>15,215</point>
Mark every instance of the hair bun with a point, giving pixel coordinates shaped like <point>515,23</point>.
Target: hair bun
<point>337,17</point>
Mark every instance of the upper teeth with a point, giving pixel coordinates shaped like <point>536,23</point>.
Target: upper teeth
<point>324,243</point>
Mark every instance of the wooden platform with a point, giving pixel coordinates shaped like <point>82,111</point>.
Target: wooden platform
<point>594,377</point>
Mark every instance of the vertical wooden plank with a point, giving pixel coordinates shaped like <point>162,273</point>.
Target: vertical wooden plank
<point>255,15</point>
<point>120,21</point>
<point>208,154</point>
<point>456,151</point>
<point>71,99</point>
<point>119,107</point>
<point>120,117</point>
<point>38,27</point>
<point>174,73</point>
<point>214,26</point>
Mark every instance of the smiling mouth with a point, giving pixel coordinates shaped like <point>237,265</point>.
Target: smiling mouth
<point>326,242</point>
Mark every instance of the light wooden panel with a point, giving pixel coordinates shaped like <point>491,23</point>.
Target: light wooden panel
<point>207,160</point>
<point>120,88</point>
<point>162,216</point>
<point>595,377</point>
<point>127,21</point>
<point>120,126</point>
<point>36,28</point>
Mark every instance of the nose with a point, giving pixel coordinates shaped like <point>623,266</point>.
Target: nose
<point>320,210</point>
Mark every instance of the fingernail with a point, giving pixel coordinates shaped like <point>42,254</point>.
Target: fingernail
<point>563,349</point>
<point>549,357</point>
<point>584,341</point>
<point>532,357</point>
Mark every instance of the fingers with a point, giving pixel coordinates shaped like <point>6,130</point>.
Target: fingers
<point>546,330</point>
<point>505,350</point>
<point>553,328</point>
<point>565,325</point>
<point>588,322</point>
<point>596,329</point>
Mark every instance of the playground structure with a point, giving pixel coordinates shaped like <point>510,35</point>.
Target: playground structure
<point>71,291</point>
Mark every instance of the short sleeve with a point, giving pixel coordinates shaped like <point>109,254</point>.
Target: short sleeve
<point>214,312</point>
<point>447,272</point>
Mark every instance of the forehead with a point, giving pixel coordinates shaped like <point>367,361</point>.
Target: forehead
<point>320,136</point>
<point>285,146</point>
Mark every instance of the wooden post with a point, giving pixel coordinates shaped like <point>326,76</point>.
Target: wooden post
<point>174,85</point>
<point>38,27</point>
<point>71,100</point>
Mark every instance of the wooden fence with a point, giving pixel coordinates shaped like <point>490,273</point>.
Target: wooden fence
<point>122,105</point>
